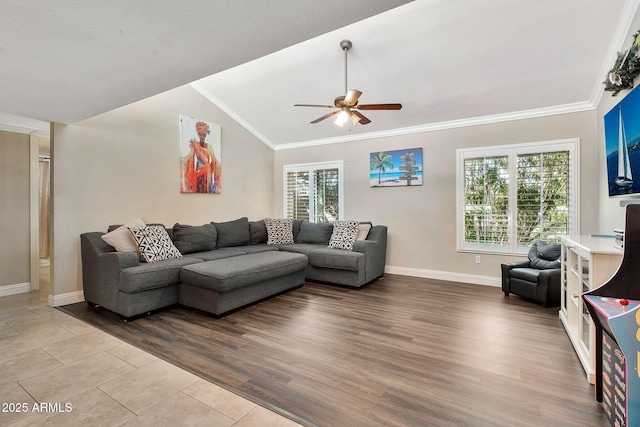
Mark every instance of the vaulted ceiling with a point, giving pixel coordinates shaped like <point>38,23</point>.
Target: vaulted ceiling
<point>449,63</point>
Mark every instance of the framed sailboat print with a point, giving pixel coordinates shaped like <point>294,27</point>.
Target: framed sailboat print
<point>622,141</point>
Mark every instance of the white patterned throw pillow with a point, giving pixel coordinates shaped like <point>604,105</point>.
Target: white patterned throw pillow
<point>154,243</point>
<point>279,231</point>
<point>344,235</point>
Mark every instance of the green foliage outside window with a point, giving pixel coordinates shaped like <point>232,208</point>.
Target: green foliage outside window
<point>541,209</point>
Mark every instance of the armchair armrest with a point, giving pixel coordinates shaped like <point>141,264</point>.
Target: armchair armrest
<point>506,268</point>
<point>549,285</point>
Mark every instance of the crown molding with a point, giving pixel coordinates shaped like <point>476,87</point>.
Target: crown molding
<point>231,113</point>
<point>617,44</point>
<point>18,124</point>
<point>452,124</point>
<point>431,127</point>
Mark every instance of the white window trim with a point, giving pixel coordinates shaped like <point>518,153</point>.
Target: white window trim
<point>310,167</point>
<point>513,150</point>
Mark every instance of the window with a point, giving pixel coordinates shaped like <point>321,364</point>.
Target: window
<point>313,191</point>
<point>509,196</point>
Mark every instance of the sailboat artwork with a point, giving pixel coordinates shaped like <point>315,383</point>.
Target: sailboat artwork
<point>622,146</point>
<point>624,178</point>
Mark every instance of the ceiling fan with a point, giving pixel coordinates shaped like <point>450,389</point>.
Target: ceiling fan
<point>347,105</point>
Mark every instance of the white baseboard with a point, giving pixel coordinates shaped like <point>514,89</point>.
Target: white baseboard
<point>444,275</point>
<point>65,299</point>
<point>17,288</point>
<point>74,297</point>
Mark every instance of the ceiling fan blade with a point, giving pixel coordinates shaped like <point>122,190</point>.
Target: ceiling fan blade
<point>352,97</point>
<point>379,107</point>
<point>326,116</point>
<point>363,119</point>
<point>313,105</point>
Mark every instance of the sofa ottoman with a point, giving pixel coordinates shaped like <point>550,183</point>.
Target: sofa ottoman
<point>219,286</point>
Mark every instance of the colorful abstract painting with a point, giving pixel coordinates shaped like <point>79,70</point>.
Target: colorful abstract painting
<point>396,168</point>
<point>200,161</point>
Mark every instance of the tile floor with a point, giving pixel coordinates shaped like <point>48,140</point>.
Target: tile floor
<point>57,370</point>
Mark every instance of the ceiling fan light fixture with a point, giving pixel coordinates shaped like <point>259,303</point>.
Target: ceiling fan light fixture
<point>342,117</point>
<point>347,107</point>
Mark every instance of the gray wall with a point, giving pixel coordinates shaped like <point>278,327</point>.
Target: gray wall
<point>14,209</point>
<point>125,164</point>
<point>422,219</point>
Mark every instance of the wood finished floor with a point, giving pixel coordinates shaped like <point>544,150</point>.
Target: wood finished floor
<point>400,352</point>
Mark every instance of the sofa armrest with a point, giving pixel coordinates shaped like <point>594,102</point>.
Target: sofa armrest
<point>101,267</point>
<point>374,250</point>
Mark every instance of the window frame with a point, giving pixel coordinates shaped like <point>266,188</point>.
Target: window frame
<point>311,168</point>
<point>512,151</point>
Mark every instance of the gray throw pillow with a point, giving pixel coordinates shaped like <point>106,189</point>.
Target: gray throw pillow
<point>297,223</point>
<point>189,239</point>
<point>233,233</point>
<point>258,232</point>
<point>312,232</point>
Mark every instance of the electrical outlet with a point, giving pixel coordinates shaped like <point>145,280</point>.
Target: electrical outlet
<point>477,259</point>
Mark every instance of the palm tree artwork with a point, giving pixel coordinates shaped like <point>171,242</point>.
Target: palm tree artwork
<point>394,168</point>
<point>381,161</point>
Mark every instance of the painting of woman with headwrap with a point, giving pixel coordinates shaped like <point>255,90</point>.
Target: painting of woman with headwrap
<point>200,170</point>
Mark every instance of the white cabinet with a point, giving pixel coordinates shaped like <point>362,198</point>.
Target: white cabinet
<point>587,263</point>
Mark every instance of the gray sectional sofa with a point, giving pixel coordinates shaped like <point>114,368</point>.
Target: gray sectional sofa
<point>224,266</point>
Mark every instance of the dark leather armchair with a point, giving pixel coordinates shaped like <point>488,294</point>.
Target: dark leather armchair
<point>538,278</point>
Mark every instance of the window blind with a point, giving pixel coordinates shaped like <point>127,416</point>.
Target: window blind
<point>326,195</point>
<point>543,196</point>
<point>297,195</point>
<point>313,191</point>
<point>508,196</point>
<point>486,200</point>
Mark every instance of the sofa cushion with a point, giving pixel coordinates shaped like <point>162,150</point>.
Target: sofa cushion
<point>217,254</point>
<point>254,249</point>
<point>257,232</point>
<point>528,274</point>
<point>233,233</point>
<point>228,274</point>
<point>152,276</point>
<point>189,239</point>
<point>344,235</point>
<point>121,239</point>
<point>297,223</point>
<point>279,231</point>
<point>313,232</point>
<point>302,248</point>
<point>336,259</point>
<point>154,243</point>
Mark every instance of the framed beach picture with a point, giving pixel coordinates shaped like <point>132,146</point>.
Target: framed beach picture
<point>396,168</point>
<point>200,161</point>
